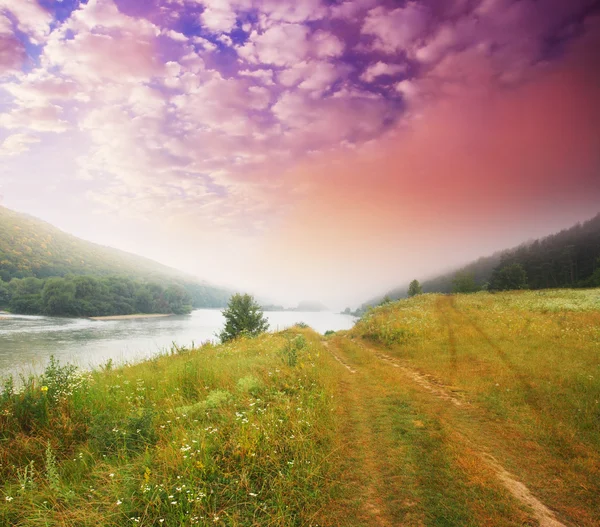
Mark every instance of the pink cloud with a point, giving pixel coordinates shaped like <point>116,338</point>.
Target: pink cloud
<point>218,16</point>
<point>16,144</point>
<point>287,44</point>
<point>45,118</point>
<point>90,57</point>
<point>326,45</point>
<point>39,88</point>
<point>12,54</point>
<point>397,29</point>
<point>378,69</point>
<point>31,18</point>
<point>292,11</point>
<point>281,45</point>
<point>312,75</point>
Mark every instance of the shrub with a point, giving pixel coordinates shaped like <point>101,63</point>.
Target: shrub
<point>243,316</point>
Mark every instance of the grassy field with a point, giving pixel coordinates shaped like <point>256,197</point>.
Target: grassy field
<point>461,410</point>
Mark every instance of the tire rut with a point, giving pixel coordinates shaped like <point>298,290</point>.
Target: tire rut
<point>337,357</point>
<point>519,491</point>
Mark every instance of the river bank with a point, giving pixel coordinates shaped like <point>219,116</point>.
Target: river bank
<point>132,317</point>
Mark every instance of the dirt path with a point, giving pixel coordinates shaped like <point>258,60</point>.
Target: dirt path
<point>379,378</point>
<point>336,357</point>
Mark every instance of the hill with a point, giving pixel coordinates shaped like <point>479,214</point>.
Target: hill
<point>438,410</point>
<point>33,249</point>
<point>570,258</point>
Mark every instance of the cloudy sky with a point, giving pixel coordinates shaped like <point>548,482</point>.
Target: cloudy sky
<point>302,149</point>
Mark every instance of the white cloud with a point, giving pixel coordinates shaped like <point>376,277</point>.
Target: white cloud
<point>398,29</point>
<point>350,9</point>
<point>315,75</point>
<point>378,69</point>
<point>222,105</point>
<point>281,45</point>
<point>31,18</point>
<point>40,88</point>
<point>264,75</point>
<point>287,44</point>
<point>316,123</point>
<point>40,118</point>
<point>174,35</point>
<point>218,20</point>
<point>293,11</point>
<point>325,44</point>
<point>408,89</point>
<point>92,58</point>
<point>17,144</point>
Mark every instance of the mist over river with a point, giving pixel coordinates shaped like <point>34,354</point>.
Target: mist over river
<point>27,342</point>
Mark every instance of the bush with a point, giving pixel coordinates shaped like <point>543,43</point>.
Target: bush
<point>243,317</point>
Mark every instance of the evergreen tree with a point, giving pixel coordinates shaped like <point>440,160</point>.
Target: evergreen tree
<point>243,316</point>
<point>415,288</point>
<point>508,278</point>
<point>464,283</point>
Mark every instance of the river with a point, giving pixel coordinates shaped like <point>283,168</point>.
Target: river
<point>27,342</point>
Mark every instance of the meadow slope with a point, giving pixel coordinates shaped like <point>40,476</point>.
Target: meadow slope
<point>439,410</point>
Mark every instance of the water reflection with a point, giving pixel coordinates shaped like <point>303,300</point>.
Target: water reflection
<point>27,342</point>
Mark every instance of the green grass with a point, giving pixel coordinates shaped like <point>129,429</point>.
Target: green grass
<point>274,431</point>
<point>529,365</point>
<point>237,434</point>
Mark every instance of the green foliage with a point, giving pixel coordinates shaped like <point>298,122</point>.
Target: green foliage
<point>252,445</point>
<point>4,295</point>
<point>291,349</point>
<point>464,283</point>
<point>414,288</point>
<point>31,249</point>
<point>117,434</point>
<point>250,384</point>
<point>510,277</point>
<point>385,300</point>
<point>52,475</point>
<point>90,296</point>
<point>243,316</point>
<point>569,258</point>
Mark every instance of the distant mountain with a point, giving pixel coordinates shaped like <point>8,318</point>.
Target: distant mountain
<point>310,305</point>
<point>570,258</point>
<point>30,247</point>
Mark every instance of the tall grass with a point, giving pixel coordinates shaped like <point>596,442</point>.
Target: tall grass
<point>528,362</point>
<point>237,434</point>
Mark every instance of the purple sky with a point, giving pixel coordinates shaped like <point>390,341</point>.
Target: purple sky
<point>307,148</point>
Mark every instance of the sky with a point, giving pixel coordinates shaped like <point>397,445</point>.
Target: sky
<point>302,149</point>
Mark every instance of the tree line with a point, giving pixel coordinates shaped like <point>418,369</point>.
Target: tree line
<point>568,259</point>
<point>92,296</point>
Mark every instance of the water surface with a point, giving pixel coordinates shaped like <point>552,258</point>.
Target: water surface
<point>27,342</point>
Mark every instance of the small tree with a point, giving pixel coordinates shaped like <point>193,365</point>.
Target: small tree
<point>464,282</point>
<point>243,316</point>
<point>415,288</point>
<point>385,300</point>
<point>509,277</point>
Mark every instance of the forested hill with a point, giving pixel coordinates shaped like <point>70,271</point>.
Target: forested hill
<point>570,258</point>
<point>31,248</point>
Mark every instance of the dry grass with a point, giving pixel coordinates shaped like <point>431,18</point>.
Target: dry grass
<point>529,365</point>
<point>364,431</point>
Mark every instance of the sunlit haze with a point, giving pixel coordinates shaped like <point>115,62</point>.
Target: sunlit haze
<point>302,149</point>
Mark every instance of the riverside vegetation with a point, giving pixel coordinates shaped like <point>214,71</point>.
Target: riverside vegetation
<point>463,410</point>
<point>44,271</point>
